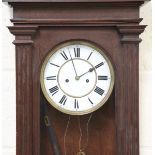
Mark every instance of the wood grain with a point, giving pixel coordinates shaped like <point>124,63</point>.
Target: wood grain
<point>111,25</point>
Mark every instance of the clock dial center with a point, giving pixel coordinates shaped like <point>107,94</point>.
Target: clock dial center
<point>76,86</point>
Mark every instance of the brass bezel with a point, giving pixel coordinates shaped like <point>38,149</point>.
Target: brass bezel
<point>52,103</point>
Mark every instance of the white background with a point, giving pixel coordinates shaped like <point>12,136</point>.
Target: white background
<point>7,78</point>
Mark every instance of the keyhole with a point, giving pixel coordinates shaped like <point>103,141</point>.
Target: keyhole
<point>87,80</point>
<point>67,80</point>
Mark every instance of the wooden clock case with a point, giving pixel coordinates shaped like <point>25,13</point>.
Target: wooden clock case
<point>113,25</point>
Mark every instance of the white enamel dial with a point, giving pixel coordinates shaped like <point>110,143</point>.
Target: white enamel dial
<point>77,78</point>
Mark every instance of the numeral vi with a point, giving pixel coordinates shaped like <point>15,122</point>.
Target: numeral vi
<point>76,104</point>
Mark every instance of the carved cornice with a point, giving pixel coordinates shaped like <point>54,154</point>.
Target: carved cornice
<point>130,33</point>
<point>75,22</point>
<point>24,29</point>
<point>72,2</point>
<point>66,1</point>
<point>24,34</point>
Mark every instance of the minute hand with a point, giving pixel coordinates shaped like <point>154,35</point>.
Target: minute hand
<point>90,70</point>
<point>73,65</point>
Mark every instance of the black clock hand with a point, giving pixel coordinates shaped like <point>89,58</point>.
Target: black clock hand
<point>90,70</point>
<point>76,77</point>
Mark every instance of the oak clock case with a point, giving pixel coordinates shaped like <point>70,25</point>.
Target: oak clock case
<point>114,26</point>
<point>77,77</point>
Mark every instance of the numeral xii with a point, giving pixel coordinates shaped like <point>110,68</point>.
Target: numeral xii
<point>77,52</point>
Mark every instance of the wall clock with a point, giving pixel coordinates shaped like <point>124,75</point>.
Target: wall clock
<point>77,78</point>
<point>77,50</point>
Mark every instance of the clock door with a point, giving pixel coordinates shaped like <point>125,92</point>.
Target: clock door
<point>102,131</point>
<point>77,80</point>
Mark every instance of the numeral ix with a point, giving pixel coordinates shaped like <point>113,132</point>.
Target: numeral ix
<point>51,78</point>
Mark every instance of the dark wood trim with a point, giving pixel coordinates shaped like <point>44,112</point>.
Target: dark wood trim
<point>23,30</point>
<point>24,95</point>
<point>130,33</point>
<point>24,34</point>
<point>100,4</point>
<point>75,22</point>
<point>82,1</point>
<point>127,111</point>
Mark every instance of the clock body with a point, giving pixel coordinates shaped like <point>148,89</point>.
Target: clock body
<point>77,78</point>
<point>81,58</point>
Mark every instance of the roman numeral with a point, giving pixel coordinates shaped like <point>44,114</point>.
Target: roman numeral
<point>99,91</point>
<point>102,77</point>
<point>54,65</point>
<point>77,52</point>
<point>99,65</point>
<point>54,90</point>
<point>51,78</point>
<point>64,55</point>
<point>76,104</point>
<point>63,100</point>
<point>89,55</point>
<point>90,100</point>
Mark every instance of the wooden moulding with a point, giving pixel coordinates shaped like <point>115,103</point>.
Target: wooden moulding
<point>71,2</point>
<point>82,1</point>
<point>129,29</point>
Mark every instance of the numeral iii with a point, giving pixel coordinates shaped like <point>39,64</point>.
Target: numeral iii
<point>102,77</point>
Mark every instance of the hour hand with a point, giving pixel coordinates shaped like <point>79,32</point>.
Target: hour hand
<point>90,70</point>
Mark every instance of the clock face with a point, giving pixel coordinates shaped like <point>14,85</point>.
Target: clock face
<point>77,78</point>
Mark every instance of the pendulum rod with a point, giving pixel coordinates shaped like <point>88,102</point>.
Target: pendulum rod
<point>82,150</point>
